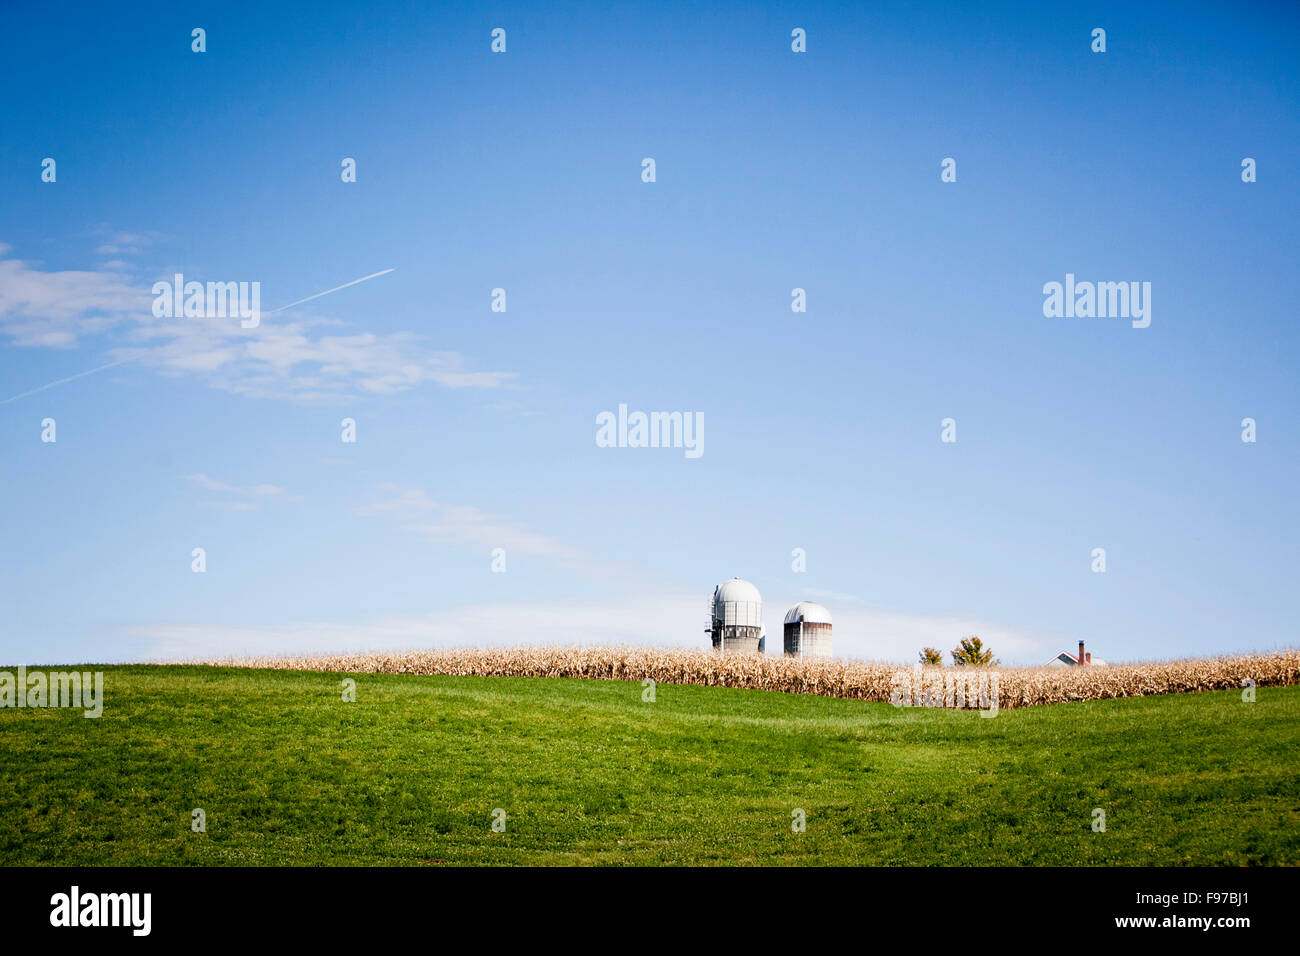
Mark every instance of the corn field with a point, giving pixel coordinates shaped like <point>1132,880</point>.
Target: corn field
<point>850,679</point>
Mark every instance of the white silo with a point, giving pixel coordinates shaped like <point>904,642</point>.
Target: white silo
<point>737,618</point>
<point>808,630</point>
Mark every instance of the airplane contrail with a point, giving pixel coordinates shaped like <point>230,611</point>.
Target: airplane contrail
<point>73,378</point>
<point>373,275</point>
<point>70,378</point>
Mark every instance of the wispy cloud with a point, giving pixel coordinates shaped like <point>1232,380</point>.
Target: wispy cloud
<point>838,597</point>
<point>117,242</point>
<point>236,497</point>
<point>512,408</point>
<point>123,245</point>
<point>464,525</point>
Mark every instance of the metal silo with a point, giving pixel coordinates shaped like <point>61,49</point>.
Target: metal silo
<point>737,618</point>
<point>808,630</point>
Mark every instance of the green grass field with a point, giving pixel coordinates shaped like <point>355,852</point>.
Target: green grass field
<point>588,773</point>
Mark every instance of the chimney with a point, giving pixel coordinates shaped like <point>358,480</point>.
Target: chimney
<point>1082,658</point>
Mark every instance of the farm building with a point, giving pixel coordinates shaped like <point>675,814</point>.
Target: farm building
<point>1066,659</point>
<point>736,618</point>
<point>808,630</point>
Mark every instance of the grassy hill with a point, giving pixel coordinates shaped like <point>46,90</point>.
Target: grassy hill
<point>288,773</point>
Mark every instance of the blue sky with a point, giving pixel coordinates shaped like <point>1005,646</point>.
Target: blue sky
<point>522,171</point>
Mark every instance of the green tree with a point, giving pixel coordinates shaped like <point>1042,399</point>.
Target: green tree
<point>931,656</point>
<point>972,653</point>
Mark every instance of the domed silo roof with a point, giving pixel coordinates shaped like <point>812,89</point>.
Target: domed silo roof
<point>737,590</point>
<point>809,613</point>
<point>738,603</point>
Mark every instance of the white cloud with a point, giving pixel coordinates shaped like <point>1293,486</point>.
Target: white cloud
<point>52,309</point>
<point>667,619</point>
<point>876,633</point>
<point>633,622</point>
<point>282,358</point>
<point>295,360</point>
